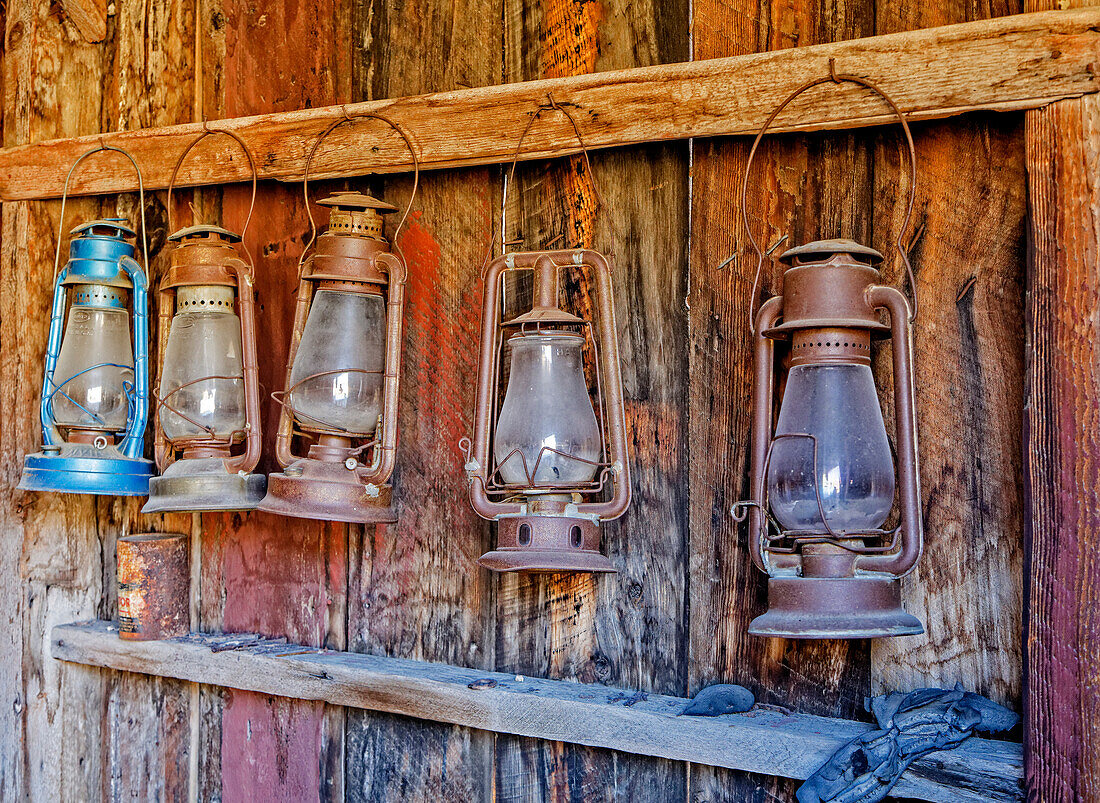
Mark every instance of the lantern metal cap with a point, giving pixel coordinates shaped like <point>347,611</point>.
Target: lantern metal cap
<point>357,200</point>
<point>826,248</point>
<point>203,229</point>
<point>119,224</point>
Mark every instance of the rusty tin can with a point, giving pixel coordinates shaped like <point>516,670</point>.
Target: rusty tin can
<point>153,586</point>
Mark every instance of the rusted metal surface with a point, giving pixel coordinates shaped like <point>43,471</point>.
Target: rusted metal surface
<point>846,587</point>
<point>351,255</point>
<point>153,586</point>
<point>572,544</point>
<point>205,261</point>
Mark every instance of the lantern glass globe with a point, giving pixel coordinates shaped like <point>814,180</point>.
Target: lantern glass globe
<point>547,414</point>
<point>336,380</point>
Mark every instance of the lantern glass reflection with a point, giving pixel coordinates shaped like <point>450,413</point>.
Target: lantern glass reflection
<point>203,343</point>
<point>94,367</point>
<point>838,406</point>
<point>547,407</point>
<point>337,375</point>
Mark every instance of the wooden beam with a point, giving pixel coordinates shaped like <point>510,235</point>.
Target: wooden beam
<point>1019,62</point>
<point>762,741</point>
<point>1062,457</point>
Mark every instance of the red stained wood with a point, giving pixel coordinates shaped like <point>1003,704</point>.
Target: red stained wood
<point>278,576</point>
<point>417,591</point>
<point>1062,437</point>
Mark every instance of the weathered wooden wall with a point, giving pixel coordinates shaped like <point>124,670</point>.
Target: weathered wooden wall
<point>674,619</point>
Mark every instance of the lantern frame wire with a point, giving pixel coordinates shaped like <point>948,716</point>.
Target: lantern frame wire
<point>242,274</point>
<point>137,393</point>
<point>381,466</point>
<point>832,78</point>
<point>63,464</point>
<point>548,528</point>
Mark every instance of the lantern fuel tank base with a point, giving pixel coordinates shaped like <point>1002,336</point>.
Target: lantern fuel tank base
<point>203,485</point>
<point>835,608</point>
<point>328,492</point>
<point>65,472</point>
<point>546,544</point>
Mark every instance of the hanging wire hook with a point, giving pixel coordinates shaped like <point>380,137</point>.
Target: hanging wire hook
<point>836,78</point>
<point>103,146</point>
<point>206,132</point>
<point>349,118</point>
<point>550,105</point>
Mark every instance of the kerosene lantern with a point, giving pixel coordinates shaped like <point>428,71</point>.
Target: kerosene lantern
<point>95,387</point>
<point>823,476</point>
<point>343,367</point>
<point>208,436</point>
<point>543,464</point>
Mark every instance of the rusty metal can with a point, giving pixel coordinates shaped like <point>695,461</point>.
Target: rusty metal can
<point>153,586</point>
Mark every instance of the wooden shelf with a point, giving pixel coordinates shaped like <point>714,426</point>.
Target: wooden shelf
<point>761,741</point>
<point>1011,63</point>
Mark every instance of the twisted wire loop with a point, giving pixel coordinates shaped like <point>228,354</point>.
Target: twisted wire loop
<point>769,537</point>
<point>550,105</point>
<point>163,402</point>
<point>282,398</point>
<point>128,387</point>
<point>832,78</point>
<point>350,118</point>
<point>207,131</point>
<point>496,483</point>
<point>103,146</point>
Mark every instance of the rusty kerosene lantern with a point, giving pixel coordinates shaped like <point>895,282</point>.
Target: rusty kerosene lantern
<point>343,367</point>
<point>822,474</point>
<point>542,463</point>
<point>95,388</point>
<point>209,396</point>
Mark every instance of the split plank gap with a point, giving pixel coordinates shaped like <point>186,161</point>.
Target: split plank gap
<point>762,741</point>
<point>1010,63</point>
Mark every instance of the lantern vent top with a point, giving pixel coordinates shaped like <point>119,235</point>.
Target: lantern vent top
<point>356,214</point>
<point>114,227</point>
<point>204,232</point>
<point>823,250</point>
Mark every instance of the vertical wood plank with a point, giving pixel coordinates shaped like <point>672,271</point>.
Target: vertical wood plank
<point>417,591</point>
<point>264,573</point>
<point>625,629</point>
<point>968,354</point>
<point>814,187</point>
<point>1062,431</point>
<point>63,545</point>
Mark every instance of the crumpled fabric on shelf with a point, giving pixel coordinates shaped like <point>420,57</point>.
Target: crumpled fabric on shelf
<point>912,725</point>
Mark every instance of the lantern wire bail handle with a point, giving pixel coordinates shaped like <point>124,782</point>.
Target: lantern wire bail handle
<point>206,132</point>
<point>103,146</point>
<point>550,105</point>
<point>350,118</point>
<point>832,78</point>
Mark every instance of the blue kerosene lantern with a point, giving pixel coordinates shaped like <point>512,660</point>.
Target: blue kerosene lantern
<point>95,392</point>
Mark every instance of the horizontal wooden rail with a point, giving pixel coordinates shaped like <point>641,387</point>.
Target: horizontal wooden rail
<point>762,741</point>
<point>1010,63</point>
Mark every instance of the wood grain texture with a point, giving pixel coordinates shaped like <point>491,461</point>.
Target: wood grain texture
<point>792,745</point>
<point>64,545</point>
<point>279,576</point>
<point>89,17</point>
<point>968,354</point>
<point>1015,63</point>
<point>1062,433</point>
<point>808,188</point>
<point>418,592</point>
<point>625,629</point>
